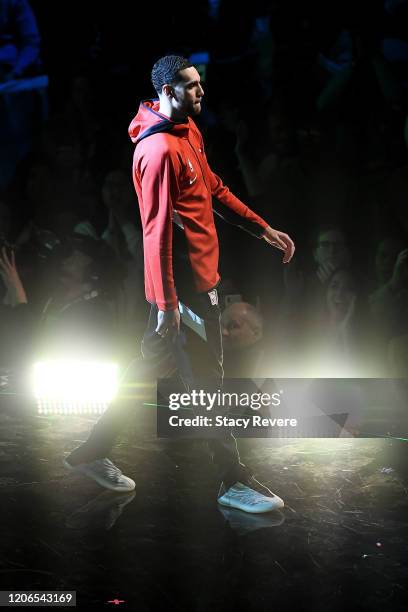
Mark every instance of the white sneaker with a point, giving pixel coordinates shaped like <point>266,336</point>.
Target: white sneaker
<point>243,498</point>
<point>105,473</point>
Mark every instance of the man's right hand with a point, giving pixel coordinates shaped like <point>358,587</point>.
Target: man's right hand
<point>168,320</point>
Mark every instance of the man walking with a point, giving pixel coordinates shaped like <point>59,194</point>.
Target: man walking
<point>175,186</point>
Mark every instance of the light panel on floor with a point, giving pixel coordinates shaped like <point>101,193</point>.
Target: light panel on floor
<point>70,387</point>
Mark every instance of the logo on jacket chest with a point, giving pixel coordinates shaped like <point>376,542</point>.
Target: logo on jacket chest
<point>193,174</point>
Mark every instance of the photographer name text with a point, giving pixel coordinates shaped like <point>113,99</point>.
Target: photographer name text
<point>229,421</point>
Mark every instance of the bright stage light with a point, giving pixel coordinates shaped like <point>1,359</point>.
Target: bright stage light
<point>74,387</point>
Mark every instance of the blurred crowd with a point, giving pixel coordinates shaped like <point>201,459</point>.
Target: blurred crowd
<point>305,119</point>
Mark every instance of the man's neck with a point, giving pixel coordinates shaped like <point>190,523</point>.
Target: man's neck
<point>173,114</point>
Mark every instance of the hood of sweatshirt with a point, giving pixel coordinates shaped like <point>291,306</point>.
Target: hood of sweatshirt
<point>149,121</point>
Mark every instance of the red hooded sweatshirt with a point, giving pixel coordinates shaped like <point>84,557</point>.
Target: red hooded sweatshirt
<point>174,182</point>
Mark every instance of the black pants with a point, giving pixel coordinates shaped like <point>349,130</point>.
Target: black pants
<point>187,356</point>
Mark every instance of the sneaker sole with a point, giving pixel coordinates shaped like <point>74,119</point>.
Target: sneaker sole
<point>101,481</point>
<point>244,522</point>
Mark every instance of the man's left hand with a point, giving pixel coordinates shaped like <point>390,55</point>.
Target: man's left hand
<point>281,241</point>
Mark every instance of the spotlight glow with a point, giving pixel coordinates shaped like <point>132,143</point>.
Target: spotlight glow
<point>74,387</point>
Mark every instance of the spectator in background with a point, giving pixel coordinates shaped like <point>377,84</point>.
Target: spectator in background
<point>79,314</point>
<point>8,271</point>
<point>348,324</point>
<point>62,147</point>
<point>242,334</point>
<point>330,252</point>
<point>337,336</point>
<point>76,316</point>
<point>389,302</point>
<point>324,314</point>
<point>19,40</point>
<point>15,328</point>
<point>337,320</point>
<point>83,113</point>
<point>385,258</point>
<point>60,192</point>
<point>360,72</point>
<point>55,200</point>
<point>125,239</point>
<point>122,234</point>
<point>270,171</point>
<point>296,167</point>
<point>304,288</point>
<point>53,193</point>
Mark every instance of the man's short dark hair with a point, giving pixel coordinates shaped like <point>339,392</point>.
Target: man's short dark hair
<point>167,70</point>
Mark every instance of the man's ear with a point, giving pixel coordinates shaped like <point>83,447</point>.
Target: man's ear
<point>168,91</point>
